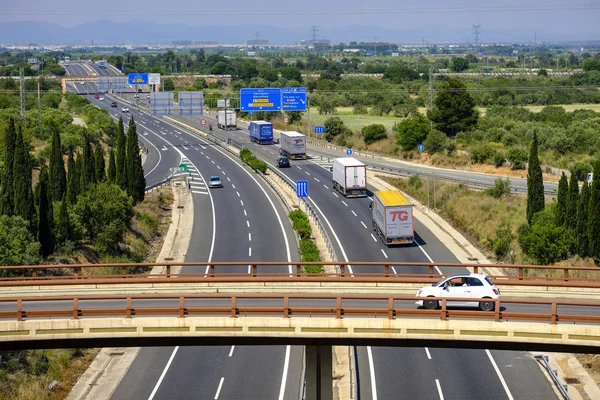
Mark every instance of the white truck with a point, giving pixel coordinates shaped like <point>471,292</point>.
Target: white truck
<point>392,216</point>
<point>350,177</point>
<point>293,145</point>
<point>589,178</point>
<point>231,122</point>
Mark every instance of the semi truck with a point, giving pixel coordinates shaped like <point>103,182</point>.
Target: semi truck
<point>350,177</point>
<point>392,216</point>
<point>231,122</point>
<point>261,132</point>
<point>101,64</point>
<point>293,145</point>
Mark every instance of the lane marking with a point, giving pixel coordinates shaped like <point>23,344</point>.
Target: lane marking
<point>372,373</point>
<point>426,348</point>
<point>335,194</point>
<point>504,385</point>
<point>385,255</point>
<point>307,173</point>
<point>198,192</point>
<point>219,388</point>
<point>325,186</point>
<point>439,388</point>
<point>286,365</point>
<point>317,180</point>
<point>353,213</point>
<point>249,251</point>
<point>344,203</point>
<point>249,236</point>
<point>231,351</point>
<point>233,186</point>
<point>248,223</point>
<point>298,167</point>
<point>162,375</point>
<point>238,194</point>
<point>218,167</point>
<point>374,238</point>
<point>245,214</point>
<point>242,203</point>
<point>427,255</point>
<point>212,161</point>
<point>394,270</point>
<point>363,224</point>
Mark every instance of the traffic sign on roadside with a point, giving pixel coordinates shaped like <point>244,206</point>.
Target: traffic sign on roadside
<point>203,122</point>
<point>349,152</point>
<point>302,189</point>
<point>286,120</point>
<point>421,148</point>
<point>319,130</point>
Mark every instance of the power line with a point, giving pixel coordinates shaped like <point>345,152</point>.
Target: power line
<point>475,32</point>
<point>461,9</point>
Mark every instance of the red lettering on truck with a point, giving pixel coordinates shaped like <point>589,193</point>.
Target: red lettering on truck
<point>399,215</point>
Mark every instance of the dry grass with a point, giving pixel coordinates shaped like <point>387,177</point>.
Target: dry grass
<point>354,122</point>
<point>591,362</point>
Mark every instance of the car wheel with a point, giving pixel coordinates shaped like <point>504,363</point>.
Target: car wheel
<point>486,306</point>
<point>430,304</point>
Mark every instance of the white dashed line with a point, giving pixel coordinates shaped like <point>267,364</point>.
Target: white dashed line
<point>363,224</point>
<point>231,351</point>
<point>249,236</point>
<point>325,186</point>
<point>374,238</point>
<point>219,388</point>
<point>242,203</point>
<point>238,193</point>
<point>248,223</point>
<point>344,203</point>
<point>317,180</point>
<point>233,186</point>
<point>298,167</point>
<point>354,213</point>
<point>245,213</point>
<point>306,173</point>
<point>212,161</point>
<point>427,351</point>
<point>439,388</point>
<point>228,179</point>
<point>385,255</point>
<point>335,194</point>
<point>249,251</point>
<point>218,167</point>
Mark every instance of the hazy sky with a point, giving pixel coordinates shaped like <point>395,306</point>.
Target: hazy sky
<point>581,16</point>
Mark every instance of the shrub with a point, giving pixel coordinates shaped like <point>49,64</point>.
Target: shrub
<point>504,237</point>
<point>435,142</point>
<point>450,147</point>
<point>517,157</point>
<point>581,170</point>
<point>359,109</point>
<point>415,181</point>
<point>498,159</point>
<point>545,242</point>
<point>373,133</point>
<point>501,188</point>
<point>482,153</point>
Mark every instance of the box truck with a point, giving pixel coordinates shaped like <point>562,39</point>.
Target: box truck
<point>102,64</point>
<point>350,177</point>
<point>231,119</point>
<point>293,145</point>
<point>392,216</point>
<point>261,132</point>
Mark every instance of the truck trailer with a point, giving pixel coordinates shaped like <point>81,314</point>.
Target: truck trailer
<point>231,122</point>
<point>293,145</point>
<point>392,216</point>
<point>350,177</point>
<point>101,64</point>
<point>261,132</point>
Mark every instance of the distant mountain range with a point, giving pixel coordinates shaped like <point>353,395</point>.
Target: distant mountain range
<point>141,32</point>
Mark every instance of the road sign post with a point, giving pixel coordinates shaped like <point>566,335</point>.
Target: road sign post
<point>319,130</point>
<point>349,152</point>
<point>421,148</point>
<point>301,190</point>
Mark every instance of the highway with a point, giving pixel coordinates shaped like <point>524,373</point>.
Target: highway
<point>242,221</point>
<point>392,373</point>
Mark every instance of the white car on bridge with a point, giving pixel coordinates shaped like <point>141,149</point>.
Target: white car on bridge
<point>461,286</point>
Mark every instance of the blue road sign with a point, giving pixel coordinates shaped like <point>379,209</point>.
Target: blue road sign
<point>421,148</point>
<point>302,189</point>
<point>293,99</point>
<point>122,67</point>
<point>266,99</point>
<point>319,130</point>
<point>349,152</point>
<point>137,79</point>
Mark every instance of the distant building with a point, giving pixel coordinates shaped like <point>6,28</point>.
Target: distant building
<point>205,42</point>
<point>257,42</point>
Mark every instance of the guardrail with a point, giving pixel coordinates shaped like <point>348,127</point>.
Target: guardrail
<point>280,272</point>
<point>562,388</point>
<point>285,306</point>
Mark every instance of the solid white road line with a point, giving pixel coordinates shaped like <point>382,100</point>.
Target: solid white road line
<point>286,364</point>
<point>352,211</point>
<point>363,224</point>
<point>372,372</point>
<point>504,385</point>
<point>231,351</point>
<point>374,238</point>
<point>439,388</point>
<point>162,375</point>
<point>385,255</point>
<point>219,388</point>
<point>427,255</point>
<point>427,351</point>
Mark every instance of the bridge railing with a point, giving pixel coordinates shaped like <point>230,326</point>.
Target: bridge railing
<point>289,306</point>
<point>373,272</point>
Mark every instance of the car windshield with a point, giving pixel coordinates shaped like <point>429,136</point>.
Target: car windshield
<point>214,178</point>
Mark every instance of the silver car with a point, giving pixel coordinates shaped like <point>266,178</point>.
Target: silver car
<point>215,182</point>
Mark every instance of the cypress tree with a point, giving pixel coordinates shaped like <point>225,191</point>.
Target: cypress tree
<point>7,203</point>
<point>135,173</point>
<point>100,166</point>
<point>63,224</point>
<point>535,182</point>
<point>121,157</point>
<point>78,173</point>
<point>21,168</point>
<point>72,179</point>
<point>45,216</point>
<point>562,198</point>
<point>57,174</point>
<point>594,215</point>
<point>88,173</point>
<point>112,167</point>
<point>583,243</point>
<point>572,203</point>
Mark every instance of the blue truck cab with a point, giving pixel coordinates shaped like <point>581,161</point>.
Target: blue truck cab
<point>261,132</point>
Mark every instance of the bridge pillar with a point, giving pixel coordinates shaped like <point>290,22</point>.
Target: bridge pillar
<point>319,372</point>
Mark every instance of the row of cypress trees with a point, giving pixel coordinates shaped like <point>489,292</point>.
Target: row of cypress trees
<point>578,212</point>
<point>56,187</point>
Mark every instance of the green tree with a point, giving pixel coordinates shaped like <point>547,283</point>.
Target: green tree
<point>583,242</point>
<point>88,171</point>
<point>247,70</point>
<point>460,64</point>
<point>136,183</point>
<point>168,85</point>
<point>454,108</point>
<point>290,73</point>
<point>62,223</point>
<point>572,204</point>
<point>562,198</point>
<point>23,196</point>
<point>99,165</point>
<point>102,214</point>
<point>112,167</point>
<point>326,105</point>
<point>535,181</point>
<point>594,215</point>
<point>17,244</point>
<point>45,215</point>
<point>334,127</point>
<point>57,174</point>
<point>72,179</point>
<point>412,131</point>
<point>373,133</point>
<point>544,241</point>
<point>121,157</point>
<point>7,206</point>
<point>436,142</point>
